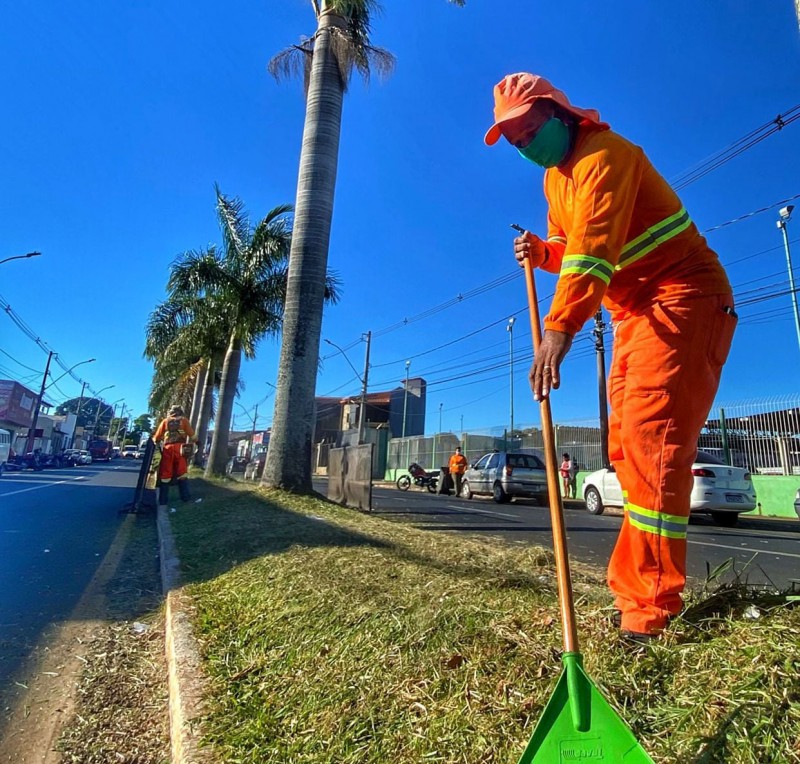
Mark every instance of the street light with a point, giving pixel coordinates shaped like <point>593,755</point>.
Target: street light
<point>113,407</point>
<point>405,400</point>
<point>785,216</point>
<point>21,257</point>
<point>510,330</point>
<point>80,363</point>
<point>32,435</point>
<point>100,404</point>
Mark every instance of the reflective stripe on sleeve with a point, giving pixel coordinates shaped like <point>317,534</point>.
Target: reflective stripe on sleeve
<point>557,239</point>
<point>654,236</point>
<point>657,523</point>
<point>587,265</point>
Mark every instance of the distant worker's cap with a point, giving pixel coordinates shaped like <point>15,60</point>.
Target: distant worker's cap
<point>516,93</point>
<point>175,410</point>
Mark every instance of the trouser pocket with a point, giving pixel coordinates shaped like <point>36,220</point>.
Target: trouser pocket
<point>721,334</point>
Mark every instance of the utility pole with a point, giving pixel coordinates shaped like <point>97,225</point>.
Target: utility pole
<point>441,405</point>
<point>32,435</point>
<point>253,432</point>
<point>78,413</point>
<point>362,412</point>
<point>599,346</point>
<point>405,400</point>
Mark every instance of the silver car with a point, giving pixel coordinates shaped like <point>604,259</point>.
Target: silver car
<point>719,489</point>
<point>506,475</point>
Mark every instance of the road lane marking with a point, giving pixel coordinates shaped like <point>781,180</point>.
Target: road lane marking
<point>37,487</point>
<point>745,549</point>
<point>484,512</point>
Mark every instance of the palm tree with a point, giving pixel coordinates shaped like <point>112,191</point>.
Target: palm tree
<point>187,343</point>
<point>340,44</point>
<point>246,282</point>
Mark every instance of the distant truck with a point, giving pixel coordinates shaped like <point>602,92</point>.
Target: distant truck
<point>101,450</point>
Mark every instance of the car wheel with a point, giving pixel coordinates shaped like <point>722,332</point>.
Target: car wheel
<point>404,482</point>
<point>466,491</point>
<point>498,494</point>
<point>725,519</point>
<point>594,504</point>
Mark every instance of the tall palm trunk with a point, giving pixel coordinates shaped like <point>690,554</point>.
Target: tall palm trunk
<point>218,458</point>
<point>205,412</point>
<point>197,397</point>
<point>289,456</point>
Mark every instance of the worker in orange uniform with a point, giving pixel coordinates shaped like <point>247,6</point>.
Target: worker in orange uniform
<point>618,234</point>
<point>458,466</point>
<point>176,433</point>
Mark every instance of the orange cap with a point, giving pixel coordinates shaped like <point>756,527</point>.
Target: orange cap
<point>516,93</point>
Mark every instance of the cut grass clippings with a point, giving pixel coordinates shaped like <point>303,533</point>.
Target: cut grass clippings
<point>334,636</point>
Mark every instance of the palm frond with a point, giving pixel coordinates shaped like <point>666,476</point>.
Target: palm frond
<point>272,239</point>
<point>289,63</point>
<point>333,288</point>
<point>234,224</point>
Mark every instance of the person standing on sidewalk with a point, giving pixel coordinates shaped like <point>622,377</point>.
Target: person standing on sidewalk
<point>458,466</point>
<point>178,439</point>
<point>618,234</point>
<point>565,470</point>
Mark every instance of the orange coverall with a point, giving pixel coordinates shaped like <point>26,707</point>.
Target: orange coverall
<point>175,432</point>
<point>617,232</point>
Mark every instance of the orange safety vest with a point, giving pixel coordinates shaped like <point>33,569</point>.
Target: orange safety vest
<point>617,233</point>
<point>174,430</point>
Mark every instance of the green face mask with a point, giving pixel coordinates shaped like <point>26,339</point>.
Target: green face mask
<point>549,146</point>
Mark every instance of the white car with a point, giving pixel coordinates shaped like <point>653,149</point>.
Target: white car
<point>719,489</point>
<point>83,457</point>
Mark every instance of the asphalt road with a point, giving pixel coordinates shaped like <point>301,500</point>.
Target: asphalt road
<point>767,551</point>
<point>55,529</point>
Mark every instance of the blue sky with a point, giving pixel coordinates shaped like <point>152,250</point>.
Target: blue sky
<point>118,120</point>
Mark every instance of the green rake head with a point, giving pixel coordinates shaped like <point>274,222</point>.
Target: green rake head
<point>578,725</point>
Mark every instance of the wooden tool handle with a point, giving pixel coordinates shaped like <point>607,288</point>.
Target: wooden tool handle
<point>565,599</point>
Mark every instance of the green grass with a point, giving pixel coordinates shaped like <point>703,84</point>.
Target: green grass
<point>333,636</point>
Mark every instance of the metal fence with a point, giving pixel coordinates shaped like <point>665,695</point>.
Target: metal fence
<point>761,435</point>
<point>581,439</point>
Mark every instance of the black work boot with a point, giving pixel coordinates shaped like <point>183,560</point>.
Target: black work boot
<point>183,490</point>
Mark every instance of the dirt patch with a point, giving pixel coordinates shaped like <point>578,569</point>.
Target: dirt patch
<point>95,689</point>
<point>121,704</point>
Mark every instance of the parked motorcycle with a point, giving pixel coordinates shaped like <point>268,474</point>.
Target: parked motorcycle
<point>420,477</point>
<point>29,461</point>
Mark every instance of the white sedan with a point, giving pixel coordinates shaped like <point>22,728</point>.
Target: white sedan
<point>719,489</point>
<point>83,457</point>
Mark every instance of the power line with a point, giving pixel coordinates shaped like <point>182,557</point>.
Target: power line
<point>35,371</point>
<point>735,149</point>
<point>29,332</point>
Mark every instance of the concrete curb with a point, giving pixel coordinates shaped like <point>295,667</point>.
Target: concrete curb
<point>185,674</point>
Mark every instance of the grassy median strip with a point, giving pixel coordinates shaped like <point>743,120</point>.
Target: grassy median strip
<point>333,636</point>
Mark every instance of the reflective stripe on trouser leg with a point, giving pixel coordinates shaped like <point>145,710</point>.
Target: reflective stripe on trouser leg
<point>664,376</point>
